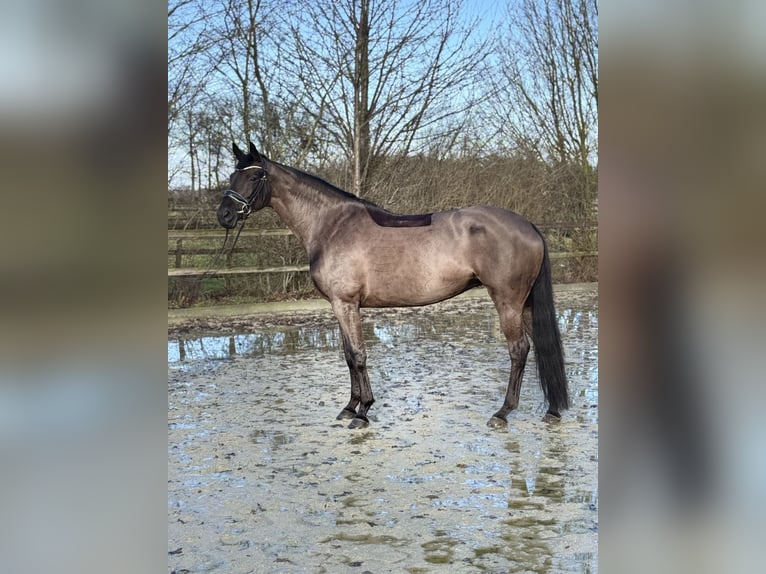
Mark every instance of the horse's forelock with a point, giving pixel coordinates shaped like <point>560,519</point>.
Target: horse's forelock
<point>246,161</point>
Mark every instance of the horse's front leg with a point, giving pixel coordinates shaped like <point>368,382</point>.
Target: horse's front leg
<point>356,358</point>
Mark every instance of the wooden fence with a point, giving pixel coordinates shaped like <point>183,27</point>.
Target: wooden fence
<point>179,240</point>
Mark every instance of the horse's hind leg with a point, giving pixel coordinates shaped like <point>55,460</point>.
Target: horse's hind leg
<point>356,358</point>
<point>513,325</point>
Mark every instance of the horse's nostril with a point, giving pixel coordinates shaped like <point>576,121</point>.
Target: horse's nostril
<point>226,216</point>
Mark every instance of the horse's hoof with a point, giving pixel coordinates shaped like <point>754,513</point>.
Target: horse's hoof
<point>552,417</point>
<point>345,414</point>
<point>497,423</point>
<point>359,422</point>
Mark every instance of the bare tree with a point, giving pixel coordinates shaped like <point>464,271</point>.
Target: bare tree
<point>186,44</point>
<point>249,59</point>
<point>547,79</point>
<point>384,73</point>
<point>236,35</point>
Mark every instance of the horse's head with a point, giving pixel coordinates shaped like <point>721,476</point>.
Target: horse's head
<point>248,190</point>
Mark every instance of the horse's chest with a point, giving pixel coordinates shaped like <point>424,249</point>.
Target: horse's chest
<point>334,273</point>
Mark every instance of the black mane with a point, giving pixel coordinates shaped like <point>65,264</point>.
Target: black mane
<point>315,179</point>
<point>380,216</point>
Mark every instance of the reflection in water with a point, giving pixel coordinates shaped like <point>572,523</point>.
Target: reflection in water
<point>270,342</point>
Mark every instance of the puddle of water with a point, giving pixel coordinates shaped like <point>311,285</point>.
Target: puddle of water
<point>390,331</point>
<point>253,443</point>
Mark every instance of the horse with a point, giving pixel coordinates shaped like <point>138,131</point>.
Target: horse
<point>361,255</point>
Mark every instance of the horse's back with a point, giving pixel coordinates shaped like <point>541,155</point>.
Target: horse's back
<point>504,217</point>
<point>493,225</point>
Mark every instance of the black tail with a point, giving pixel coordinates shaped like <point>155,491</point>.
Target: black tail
<point>547,339</point>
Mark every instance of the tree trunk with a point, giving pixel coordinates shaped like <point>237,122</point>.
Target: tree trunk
<point>190,124</point>
<point>361,105</point>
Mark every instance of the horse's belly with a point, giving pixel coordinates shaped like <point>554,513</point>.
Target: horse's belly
<point>395,290</point>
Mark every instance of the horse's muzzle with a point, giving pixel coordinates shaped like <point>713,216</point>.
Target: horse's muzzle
<point>227,215</point>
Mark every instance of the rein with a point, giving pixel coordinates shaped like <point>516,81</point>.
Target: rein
<point>214,264</point>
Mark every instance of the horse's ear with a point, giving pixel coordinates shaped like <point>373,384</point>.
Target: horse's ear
<point>254,152</point>
<point>238,153</point>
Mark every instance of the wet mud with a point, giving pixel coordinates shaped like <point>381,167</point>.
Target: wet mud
<point>262,478</point>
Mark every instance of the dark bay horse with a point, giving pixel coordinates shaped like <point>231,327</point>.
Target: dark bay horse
<point>363,256</point>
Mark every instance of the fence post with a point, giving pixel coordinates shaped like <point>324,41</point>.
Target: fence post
<point>179,252</point>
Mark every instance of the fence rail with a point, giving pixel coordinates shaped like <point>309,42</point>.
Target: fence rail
<point>197,272</point>
<point>219,234</point>
<point>181,236</point>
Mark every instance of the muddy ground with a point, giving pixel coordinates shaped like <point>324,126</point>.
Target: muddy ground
<point>262,478</point>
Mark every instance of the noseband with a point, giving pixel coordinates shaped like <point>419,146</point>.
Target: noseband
<point>244,206</point>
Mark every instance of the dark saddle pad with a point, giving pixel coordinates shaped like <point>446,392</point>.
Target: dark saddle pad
<point>386,219</point>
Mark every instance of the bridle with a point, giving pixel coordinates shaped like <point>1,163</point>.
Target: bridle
<point>245,206</point>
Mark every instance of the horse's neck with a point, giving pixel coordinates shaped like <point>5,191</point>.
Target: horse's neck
<point>306,211</point>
